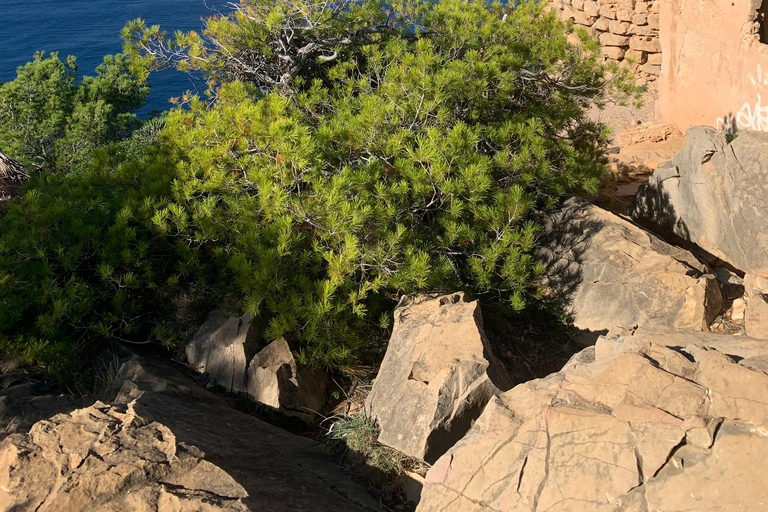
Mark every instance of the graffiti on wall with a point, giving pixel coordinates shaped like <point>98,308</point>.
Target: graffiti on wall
<point>751,116</point>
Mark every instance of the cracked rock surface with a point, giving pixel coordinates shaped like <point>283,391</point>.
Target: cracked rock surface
<point>281,472</point>
<point>656,420</point>
<point>104,458</point>
<point>608,271</point>
<point>218,348</point>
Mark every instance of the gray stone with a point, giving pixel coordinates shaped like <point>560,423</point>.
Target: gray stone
<point>607,272</point>
<point>275,380</point>
<point>713,194</point>
<point>218,349</point>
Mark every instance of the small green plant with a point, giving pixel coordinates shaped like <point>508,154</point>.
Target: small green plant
<point>106,380</point>
<point>356,439</point>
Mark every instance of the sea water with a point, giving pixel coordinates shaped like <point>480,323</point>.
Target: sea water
<point>90,29</point>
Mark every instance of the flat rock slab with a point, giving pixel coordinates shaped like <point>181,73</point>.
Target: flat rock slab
<point>279,471</point>
<point>627,425</point>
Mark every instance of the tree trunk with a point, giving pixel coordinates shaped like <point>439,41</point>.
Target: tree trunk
<point>12,175</point>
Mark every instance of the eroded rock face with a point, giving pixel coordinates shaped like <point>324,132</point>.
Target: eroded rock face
<point>627,425</point>
<point>713,194</point>
<point>105,458</point>
<point>608,272</point>
<point>218,348</point>
<point>275,380</point>
<point>436,377</point>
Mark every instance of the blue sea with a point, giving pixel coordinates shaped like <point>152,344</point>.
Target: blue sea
<point>90,29</point>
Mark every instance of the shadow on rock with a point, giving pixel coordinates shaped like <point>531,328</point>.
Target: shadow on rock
<point>280,471</point>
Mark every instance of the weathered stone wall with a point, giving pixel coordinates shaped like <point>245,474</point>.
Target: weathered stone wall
<point>715,68</point>
<point>628,30</point>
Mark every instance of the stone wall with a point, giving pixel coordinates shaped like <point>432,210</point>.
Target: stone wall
<point>715,68</point>
<point>628,30</point>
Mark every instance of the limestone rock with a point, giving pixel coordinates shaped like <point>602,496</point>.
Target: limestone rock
<point>627,425</point>
<point>738,311</point>
<point>411,486</point>
<point>105,458</point>
<point>713,194</point>
<point>275,380</point>
<point>731,285</point>
<point>168,445</point>
<point>436,377</point>
<point>218,348</point>
<point>624,30</point>
<point>648,133</point>
<point>637,152</point>
<point>609,39</point>
<point>610,272</point>
<point>645,43</point>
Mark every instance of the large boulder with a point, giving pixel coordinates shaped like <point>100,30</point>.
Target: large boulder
<point>105,458</point>
<point>627,425</point>
<point>436,377</point>
<point>218,349</point>
<point>713,194</point>
<point>607,271</point>
<point>275,380</point>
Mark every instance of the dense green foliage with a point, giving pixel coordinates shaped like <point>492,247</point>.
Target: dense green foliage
<point>50,120</point>
<point>408,154</point>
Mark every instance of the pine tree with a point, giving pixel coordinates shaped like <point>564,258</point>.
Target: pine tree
<point>50,120</point>
<point>402,149</point>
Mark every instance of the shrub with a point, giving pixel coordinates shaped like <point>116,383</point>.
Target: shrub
<point>410,159</point>
<point>77,264</point>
